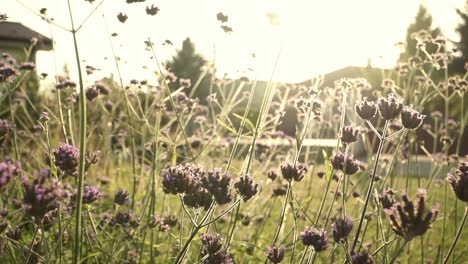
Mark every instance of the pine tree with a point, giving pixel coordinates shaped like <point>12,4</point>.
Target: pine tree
<point>188,64</point>
<point>458,64</point>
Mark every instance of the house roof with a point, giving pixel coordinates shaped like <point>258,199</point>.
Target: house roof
<point>17,32</point>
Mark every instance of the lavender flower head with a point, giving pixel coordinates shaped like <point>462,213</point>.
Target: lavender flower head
<point>67,158</point>
<point>181,178</point>
<point>350,167</point>
<point>408,220</point>
<point>122,197</point>
<point>246,187</point>
<point>342,227</point>
<point>459,181</point>
<point>349,134</point>
<point>315,237</point>
<point>361,258</point>
<point>292,171</point>
<point>212,243</point>
<point>5,127</point>
<point>389,107</point>
<point>366,110</point>
<point>91,194</point>
<point>218,185</point>
<point>275,254</point>
<point>41,197</point>
<point>410,118</point>
<point>8,171</point>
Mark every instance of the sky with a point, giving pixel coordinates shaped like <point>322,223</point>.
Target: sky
<point>303,38</point>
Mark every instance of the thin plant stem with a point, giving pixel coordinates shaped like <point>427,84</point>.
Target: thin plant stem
<point>457,237</point>
<point>283,213</point>
<point>398,252</point>
<point>371,185</point>
<point>81,171</point>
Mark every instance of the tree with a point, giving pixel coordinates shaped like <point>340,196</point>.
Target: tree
<point>458,64</point>
<point>188,64</point>
<point>423,21</point>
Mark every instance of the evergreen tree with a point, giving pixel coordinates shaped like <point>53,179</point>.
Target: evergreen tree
<point>458,64</point>
<point>188,64</point>
<point>423,21</point>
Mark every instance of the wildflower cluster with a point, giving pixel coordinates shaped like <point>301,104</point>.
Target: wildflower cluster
<point>8,171</point>
<point>407,219</point>
<point>212,247</point>
<point>200,187</point>
<point>460,181</point>
<point>389,108</point>
<point>67,158</point>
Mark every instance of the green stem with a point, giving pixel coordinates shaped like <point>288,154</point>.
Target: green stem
<point>460,230</point>
<point>81,174</point>
<point>371,185</point>
<point>283,213</point>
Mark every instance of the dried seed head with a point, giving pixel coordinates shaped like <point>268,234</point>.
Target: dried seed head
<point>410,118</point>
<point>280,190</point>
<point>181,178</point>
<point>366,110</point>
<point>342,227</point>
<point>292,171</point>
<point>315,237</point>
<point>122,197</point>
<point>246,187</point>
<point>199,197</point>
<point>387,199</point>
<point>275,254</point>
<point>389,107</point>
<point>122,18</point>
<point>408,220</point>
<point>459,181</point>
<point>27,66</point>
<point>5,128</point>
<point>352,165</point>
<point>123,218</point>
<point>349,134</point>
<point>212,243</point>
<point>91,93</point>
<point>153,10</point>
<point>218,185</point>
<point>361,258</point>
<point>272,174</point>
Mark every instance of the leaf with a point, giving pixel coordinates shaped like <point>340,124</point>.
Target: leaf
<point>247,121</point>
<point>226,126</point>
<point>328,167</point>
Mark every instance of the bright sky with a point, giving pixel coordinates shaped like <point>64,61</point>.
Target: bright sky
<point>312,37</point>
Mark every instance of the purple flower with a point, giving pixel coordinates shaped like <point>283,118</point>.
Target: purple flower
<point>275,254</point>
<point>91,194</point>
<point>218,185</point>
<point>122,197</point>
<point>8,171</point>
<point>408,220</point>
<point>460,182</point>
<point>67,158</point>
<point>410,118</point>
<point>342,227</point>
<point>366,110</point>
<point>246,187</point>
<point>389,107</point>
<point>293,171</point>
<point>40,197</point>
<point>315,237</point>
